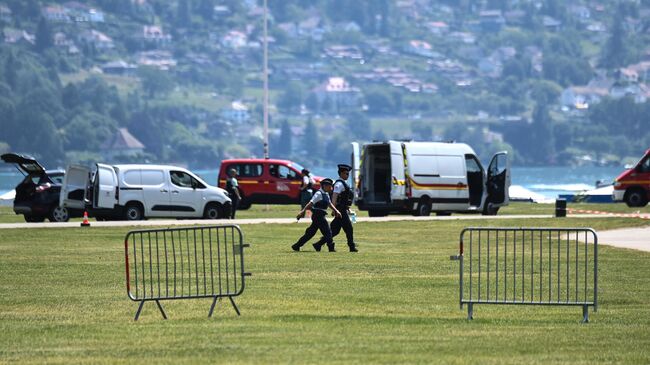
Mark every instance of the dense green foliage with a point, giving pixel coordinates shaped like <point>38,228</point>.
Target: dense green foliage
<point>507,79</point>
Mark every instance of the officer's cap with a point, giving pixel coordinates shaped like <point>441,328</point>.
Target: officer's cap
<point>327,181</point>
<point>344,167</point>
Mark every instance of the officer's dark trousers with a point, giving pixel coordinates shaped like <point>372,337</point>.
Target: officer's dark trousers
<point>318,222</point>
<point>234,205</point>
<point>338,223</point>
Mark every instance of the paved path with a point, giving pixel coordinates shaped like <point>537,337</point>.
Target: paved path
<point>634,238</point>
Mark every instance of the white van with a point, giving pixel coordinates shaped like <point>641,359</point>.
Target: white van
<point>421,177</point>
<point>135,192</point>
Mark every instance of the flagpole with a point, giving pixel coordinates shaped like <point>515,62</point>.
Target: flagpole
<point>266,84</point>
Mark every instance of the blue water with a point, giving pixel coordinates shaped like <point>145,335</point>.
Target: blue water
<point>547,181</point>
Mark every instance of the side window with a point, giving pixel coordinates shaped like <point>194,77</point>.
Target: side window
<point>282,172</point>
<point>472,164</point>
<point>131,177</point>
<point>181,179</point>
<point>152,177</point>
<point>246,170</point>
<point>645,165</point>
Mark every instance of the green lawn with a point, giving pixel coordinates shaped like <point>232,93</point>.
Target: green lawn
<point>64,300</point>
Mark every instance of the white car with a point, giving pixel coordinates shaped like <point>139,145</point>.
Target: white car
<point>135,192</point>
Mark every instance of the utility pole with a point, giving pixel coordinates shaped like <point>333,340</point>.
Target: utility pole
<point>266,83</point>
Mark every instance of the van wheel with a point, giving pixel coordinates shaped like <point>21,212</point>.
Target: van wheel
<point>213,211</point>
<point>635,198</point>
<point>59,214</point>
<point>424,208</point>
<point>133,212</point>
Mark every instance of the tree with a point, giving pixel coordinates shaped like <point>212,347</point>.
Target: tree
<point>311,142</point>
<point>11,70</point>
<point>155,81</point>
<point>380,102</point>
<point>183,18</point>
<point>286,140</point>
<point>615,52</point>
<point>359,125</point>
<point>542,146</point>
<point>44,37</point>
<point>88,131</point>
<point>291,98</point>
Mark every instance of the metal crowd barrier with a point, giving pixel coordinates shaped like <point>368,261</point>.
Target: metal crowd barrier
<point>529,266</point>
<point>185,263</point>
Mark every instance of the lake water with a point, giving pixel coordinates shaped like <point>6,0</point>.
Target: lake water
<point>547,181</point>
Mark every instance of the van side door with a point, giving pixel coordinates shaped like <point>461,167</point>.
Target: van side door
<point>397,171</point>
<point>498,181</point>
<point>105,187</point>
<point>186,194</point>
<point>155,192</point>
<point>74,187</point>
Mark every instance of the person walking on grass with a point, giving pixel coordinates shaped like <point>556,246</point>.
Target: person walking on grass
<point>342,198</point>
<point>232,187</point>
<point>306,188</point>
<point>318,204</point>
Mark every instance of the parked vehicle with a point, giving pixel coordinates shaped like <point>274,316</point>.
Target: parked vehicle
<point>425,177</point>
<point>37,195</point>
<point>265,181</point>
<point>633,185</point>
<point>135,192</point>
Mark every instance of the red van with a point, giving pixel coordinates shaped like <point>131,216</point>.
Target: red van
<point>265,181</point>
<point>633,185</point>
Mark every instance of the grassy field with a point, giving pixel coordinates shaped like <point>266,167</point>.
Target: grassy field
<point>64,300</point>
<point>288,211</point>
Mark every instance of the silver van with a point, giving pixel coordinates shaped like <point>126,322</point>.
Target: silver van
<point>135,192</point>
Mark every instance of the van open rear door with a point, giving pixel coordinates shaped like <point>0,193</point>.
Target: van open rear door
<point>74,188</point>
<point>105,187</point>
<point>398,171</point>
<point>498,181</point>
<point>355,162</point>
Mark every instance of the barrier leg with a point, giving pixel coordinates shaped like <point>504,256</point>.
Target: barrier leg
<point>137,314</point>
<point>234,306</point>
<point>585,314</point>
<point>470,311</point>
<point>162,311</point>
<point>214,303</point>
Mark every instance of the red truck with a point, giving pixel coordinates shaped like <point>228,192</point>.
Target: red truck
<point>265,181</point>
<point>633,185</point>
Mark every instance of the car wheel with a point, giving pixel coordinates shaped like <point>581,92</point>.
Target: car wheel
<point>424,208</point>
<point>59,214</point>
<point>213,211</point>
<point>33,218</point>
<point>133,212</point>
<point>635,198</point>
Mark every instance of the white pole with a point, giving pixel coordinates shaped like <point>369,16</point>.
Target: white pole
<point>266,84</point>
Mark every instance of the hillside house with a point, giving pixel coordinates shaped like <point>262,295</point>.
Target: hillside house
<point>162,60</point>
<point>420,48</point>
<point>491,20</point>
<point>438,28</point>
<point>119,67</point>
<point>5,13</point>
<point>83,13</point>
<point>580,97</point>
<point>238,113</point>
<point>343,51</point>
<point>122,143</point>
<point>234,39</point>
<point>98,39</point>
<point>18,36</point>
<point>336,95</point>
<point>55,13</point>
<point>154,34</point>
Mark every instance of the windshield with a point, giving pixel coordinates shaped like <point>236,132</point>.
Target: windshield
<point>296,166</point>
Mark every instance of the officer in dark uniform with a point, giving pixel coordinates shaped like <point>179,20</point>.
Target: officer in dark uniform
<point>318,204</point>
<point>342,198</point>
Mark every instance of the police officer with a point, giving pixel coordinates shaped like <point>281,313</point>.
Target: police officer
<point>342,198</point>
<point>232,187</point>
<point>318,203</point>
<point>306,188</point>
